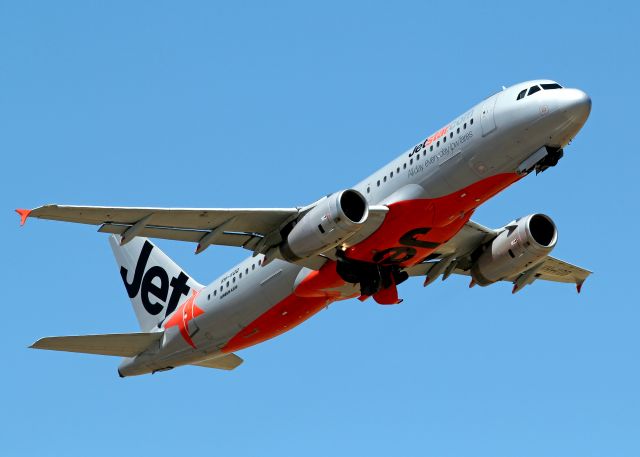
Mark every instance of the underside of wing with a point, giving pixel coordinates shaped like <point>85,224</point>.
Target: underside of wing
<point>260,230</point>
<point>557,270</point>
<point>551,269</point>
<point>459,255</point>
<point>237,226</point>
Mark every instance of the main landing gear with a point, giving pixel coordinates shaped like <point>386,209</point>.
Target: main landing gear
<point>377,281</point>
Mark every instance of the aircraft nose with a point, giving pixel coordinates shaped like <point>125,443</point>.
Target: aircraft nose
<point>576,104</point>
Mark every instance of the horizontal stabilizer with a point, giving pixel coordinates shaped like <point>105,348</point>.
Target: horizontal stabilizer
<point>118,344</point>
<point>227,362</point>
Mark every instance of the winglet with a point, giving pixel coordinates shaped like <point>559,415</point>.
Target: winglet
<point>24,214</point>
<point>579,286</point>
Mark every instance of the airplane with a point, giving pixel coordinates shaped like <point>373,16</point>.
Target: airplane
<point>410,218</point>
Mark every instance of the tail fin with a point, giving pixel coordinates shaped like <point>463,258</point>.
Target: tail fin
<point>154,282</point>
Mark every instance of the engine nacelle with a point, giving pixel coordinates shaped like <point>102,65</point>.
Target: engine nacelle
<point>520,246</point>
<point>326,225</point>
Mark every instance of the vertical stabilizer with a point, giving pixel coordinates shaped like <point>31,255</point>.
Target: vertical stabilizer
<point>155,284</point>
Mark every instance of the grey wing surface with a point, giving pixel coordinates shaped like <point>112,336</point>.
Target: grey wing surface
<point>472,236</point>
<point>243,227</point>
<point>255,229</point>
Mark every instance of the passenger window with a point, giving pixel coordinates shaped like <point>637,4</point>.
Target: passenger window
<point>551,86</point>
<point>368,189</point>
<point>378,183</point>
<point>411,162</point>
<point>458,131</point>
<point>465,126</point>
<point>471,121</point>
<point>404,165</point>
<point>533,90</point>
<point>253,266</point>
<point>246,271</point>
<point>438,143</point>
<point>384,179</point>
<point>215,292</point>
<point>431,148</point>
<point>391,175</point>
<point>444,140</point>
<point>398,170</point>
<point>522,94</point>
<point>451,135</point>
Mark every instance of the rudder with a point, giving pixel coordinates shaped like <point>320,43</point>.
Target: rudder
<point>155,284</point>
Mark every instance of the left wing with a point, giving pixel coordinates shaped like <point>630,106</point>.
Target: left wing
<point>551,269</point>
<point>455,257</point>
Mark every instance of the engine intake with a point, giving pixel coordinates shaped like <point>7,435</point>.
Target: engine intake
<point>521,245</point>
<point>334,219</point>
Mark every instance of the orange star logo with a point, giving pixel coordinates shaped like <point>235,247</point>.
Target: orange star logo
<point>181,317</point>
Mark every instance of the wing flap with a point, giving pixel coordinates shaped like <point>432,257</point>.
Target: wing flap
<point>552,269</point>
<point>557,270</point>
<point>179,234</point>
<point>116,344</point>
<point>227,362</point>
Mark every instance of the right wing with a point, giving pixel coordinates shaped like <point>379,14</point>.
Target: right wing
<point>255,229</point>
<point>228,226</point>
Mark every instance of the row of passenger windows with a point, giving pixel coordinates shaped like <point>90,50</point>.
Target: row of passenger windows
<point>233,279</point>
<point>536,88</point>
<point>417,156</point>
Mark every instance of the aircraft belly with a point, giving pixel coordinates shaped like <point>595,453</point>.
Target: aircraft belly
<point>232,314</point>
<point>314,290</point>
<point>287,314</point>
<point>413,229</point>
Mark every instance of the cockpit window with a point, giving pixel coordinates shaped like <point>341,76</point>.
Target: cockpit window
<point>522,94</point>
<point>551,86</point>
<point>533,90</point>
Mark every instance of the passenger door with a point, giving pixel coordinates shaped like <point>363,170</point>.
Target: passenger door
<point>487,120</point>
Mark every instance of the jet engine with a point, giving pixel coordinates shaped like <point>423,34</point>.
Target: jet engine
<point>521,245</point>
<point>333,219</point>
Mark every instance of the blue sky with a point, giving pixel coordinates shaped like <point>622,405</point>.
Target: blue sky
<point>250,104</point>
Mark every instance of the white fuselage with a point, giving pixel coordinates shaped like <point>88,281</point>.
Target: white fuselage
<point>493,138</point>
